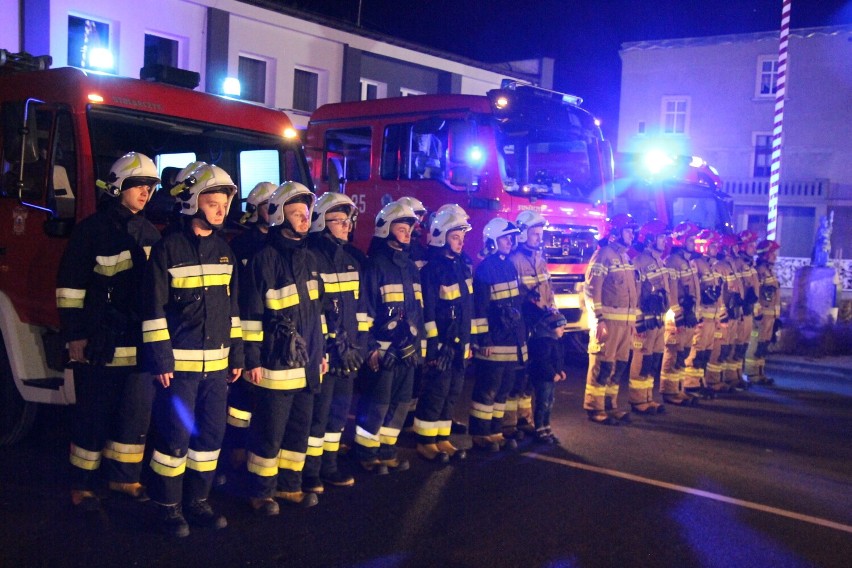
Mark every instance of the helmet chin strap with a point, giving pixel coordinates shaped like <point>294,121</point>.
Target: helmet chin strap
<point>291,232</point>
<point>206,224</point>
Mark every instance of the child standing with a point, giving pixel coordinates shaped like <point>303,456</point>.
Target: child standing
<point>546,368</point>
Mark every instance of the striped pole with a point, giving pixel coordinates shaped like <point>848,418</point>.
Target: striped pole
<point>781,88</point>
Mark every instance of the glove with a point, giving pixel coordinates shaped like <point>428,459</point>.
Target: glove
<point>767,292</point>
<point>446,355</point>
<point>349,357</point>
<point>710,295</point>
<point>100,349</point>
<point>297,353</point>
<point>689,317</point>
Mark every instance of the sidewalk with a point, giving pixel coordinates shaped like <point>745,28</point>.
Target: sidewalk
<point>838,367</point>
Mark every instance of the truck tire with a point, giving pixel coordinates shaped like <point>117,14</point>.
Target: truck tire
<point>16,414</point>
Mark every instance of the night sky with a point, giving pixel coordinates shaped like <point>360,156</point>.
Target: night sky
<point>582,36</point>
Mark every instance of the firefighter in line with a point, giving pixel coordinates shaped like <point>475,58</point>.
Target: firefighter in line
<point>281,307</point>
<point>538,299</point>
<point>448,311</point>
<point>722,369</point>
<point>743,263</point>
<point>655,300</point>
<point>192,344</point>
<point>770,310</point>
<point>241,393</point>
<point>98,288</point>
<point>394,302</point>
<point>698,366</point>
<point>340,265</point>
<point>500,342</point>
<point>420,255</point>
<point>680,329</point>
<point>611,300</point>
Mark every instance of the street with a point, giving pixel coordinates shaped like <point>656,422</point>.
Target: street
<point>757,478</point>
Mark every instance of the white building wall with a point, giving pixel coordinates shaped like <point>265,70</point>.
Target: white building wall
<point>10,38</point>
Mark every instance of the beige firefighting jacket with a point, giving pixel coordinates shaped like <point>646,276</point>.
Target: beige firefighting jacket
<point>611,284</point>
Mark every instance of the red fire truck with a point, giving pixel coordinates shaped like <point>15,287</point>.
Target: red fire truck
<point>655,185</point>
<point>520,147</point>
<point>60,131</point>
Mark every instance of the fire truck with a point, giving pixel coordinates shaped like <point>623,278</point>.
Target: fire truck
<point>519,147</point>
<point>60,131</point>
<point>655,185</point>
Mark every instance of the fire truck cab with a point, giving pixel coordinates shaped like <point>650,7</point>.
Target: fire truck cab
<point>518,148</point>
<point>60,131</point>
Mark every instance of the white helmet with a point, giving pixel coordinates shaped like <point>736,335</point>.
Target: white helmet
<point>496,228</point>
<point>128,171</point>
<point>289,192</point>
<point>528,220</point>
<point>257,197</point>
<point>328,201</point>
<point>203,179</point>
<point>446,221</point>
<point>391,213</point>
<point>454,207</point>
<point>415,204</point>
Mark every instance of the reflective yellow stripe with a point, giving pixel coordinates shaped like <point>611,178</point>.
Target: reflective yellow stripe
<point>201,275</point>
<point>252,330</point>
<point>366,439</point>
<point>365,322</point>
<point>123,357</point>
<point>202,461</point>
<point>155,330</point>
<point>423,428</point>
<point>418,293</point>
<point>431,329</point>
<point>392,293</point>
<point>70,298</point>
<point>238,418</point>
<point>201,360</point>
<point>112,265</point>
<point>264,467</point>
<point>236,330</point>
<point>595,390</point>
<point>286,379</point>
<point>313,289</point>
<point>124,453</point>
<point>280,298</point>
<point>503,353</point>
<point>337,282</point>
<point>503,290</point>
<point>451,292</point>
<point>84,459</point>
<point>167,466</point>
<point>293,461</point>
<point>388,435</point>
<point>469,283</point>
<point>479,325</point>
<point>314,446</point>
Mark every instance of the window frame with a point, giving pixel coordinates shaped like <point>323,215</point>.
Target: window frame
<point>664,113</point>
<point>267,84</point>
<point>110,40</point>
<point>381,89</point>
<point>754,153</point>
<point>761,59</point>
<point>179,41</point>
<point>316,73</point>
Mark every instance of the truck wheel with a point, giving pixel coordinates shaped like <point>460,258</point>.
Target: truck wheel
<point>16,414</point>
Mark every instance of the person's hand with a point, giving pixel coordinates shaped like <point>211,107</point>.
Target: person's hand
<point>323,366</point>
<point>564,375</point>
<point>557,377</point>
<point>77,350</point>
<point>373,360</point>
<point>254,375</point>
<point>234,375</point>
<point>165,379</point>
<point>601,332</point>
<point>486,351</point>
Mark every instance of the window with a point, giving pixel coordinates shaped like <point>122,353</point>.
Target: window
<point>762,155</point>
<point>252,76</point>
<point>257,166</point>
<point>675,115</point>
<point>413,151</point>
<point>88,44</point>
<point>161,51</point>
<point>767,75</point>
<point>372,90</point>
<point>305,90</point>
<point>404,92</point>
<point>347,154</point>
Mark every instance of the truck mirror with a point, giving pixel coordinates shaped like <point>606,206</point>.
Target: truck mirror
<point>58,227</point>
<point>461,175</point>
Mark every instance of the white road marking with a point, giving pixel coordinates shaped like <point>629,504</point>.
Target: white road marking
<point>696,492</point>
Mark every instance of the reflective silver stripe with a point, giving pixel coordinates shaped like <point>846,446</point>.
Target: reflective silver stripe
<point>111,265</point>
<point>280,298</point>
<point>200,275</point>
<point>155,330</point>
<point>313,289</point>
<point>202,461</point>
<point>70,297</point>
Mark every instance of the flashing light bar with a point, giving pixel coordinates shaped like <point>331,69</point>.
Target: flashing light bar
<point>101,58</point>
<point>231,87</point>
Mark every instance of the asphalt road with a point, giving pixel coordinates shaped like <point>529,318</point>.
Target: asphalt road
<point>760,478</point>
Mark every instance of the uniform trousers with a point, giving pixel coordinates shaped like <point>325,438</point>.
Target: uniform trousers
<point>494,380</point>
<point>441,390</point>
<point>607,360</point>
<point>331,409</point>
<point>382,408</point>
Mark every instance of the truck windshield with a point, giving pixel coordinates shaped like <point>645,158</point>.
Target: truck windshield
<point>548,164</point>
<point>705,211</point>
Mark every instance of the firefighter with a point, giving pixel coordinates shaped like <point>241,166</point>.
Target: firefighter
<point>680,329</point>
<point>281,305</point>
<point>655,300</point>
<point>340,266</point>
<point>448,311</point>
<point>699,370</point>
<point>98,288</point>
<point>419,254</point>
<point>394,302</point>
<point>744,265</point>
<point>766,320</point>
<point>241,393</point>
<point>730,322</point>
<point>538,299</point>
<point>500,342</point>
<point>611,300</point>
<point>192,344</point>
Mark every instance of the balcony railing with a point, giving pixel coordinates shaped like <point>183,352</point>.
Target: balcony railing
<point>757,189</point>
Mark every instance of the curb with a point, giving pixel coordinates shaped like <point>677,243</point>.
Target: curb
<point>801,366</point>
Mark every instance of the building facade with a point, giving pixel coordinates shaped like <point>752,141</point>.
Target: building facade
<point>282,58</point>
<point>715,97</point>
